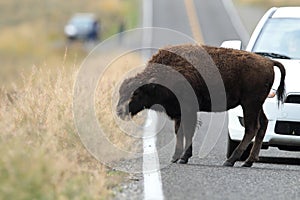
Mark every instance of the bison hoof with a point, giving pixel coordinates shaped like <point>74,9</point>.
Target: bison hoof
<point>247,164</point>
<point>174,160</point>
<point>183,161</point>
<point>228,164</point>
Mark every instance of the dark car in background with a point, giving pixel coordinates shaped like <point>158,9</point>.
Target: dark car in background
<point>83,26</point>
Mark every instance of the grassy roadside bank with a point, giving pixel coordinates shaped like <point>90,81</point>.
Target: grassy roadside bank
<point>41,156</point>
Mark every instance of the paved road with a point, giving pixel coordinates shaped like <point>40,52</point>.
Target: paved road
<point>277,177</point>
<point>216,25</point>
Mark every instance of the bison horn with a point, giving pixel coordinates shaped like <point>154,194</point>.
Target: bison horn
<point>152,80</point>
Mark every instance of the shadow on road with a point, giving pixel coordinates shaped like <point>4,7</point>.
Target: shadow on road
<point>278,160</point>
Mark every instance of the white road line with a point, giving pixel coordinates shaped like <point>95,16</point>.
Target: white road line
<point>147,23</point>
<point>147,13</point>
<point>151,169</point>
<point>236,20</point>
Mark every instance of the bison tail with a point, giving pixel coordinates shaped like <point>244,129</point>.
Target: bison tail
<point>281,89</point>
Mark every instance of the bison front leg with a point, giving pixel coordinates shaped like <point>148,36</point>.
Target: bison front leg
<point>179,141</point>
<point>189,126</point>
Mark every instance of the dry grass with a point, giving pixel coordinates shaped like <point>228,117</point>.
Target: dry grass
<point>41,154</point>
<point>107,88</point>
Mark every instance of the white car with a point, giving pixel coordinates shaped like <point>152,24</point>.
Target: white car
<point>277,36</point>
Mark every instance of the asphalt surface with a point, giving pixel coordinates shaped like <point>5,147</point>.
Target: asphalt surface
<point>215,23</point>
<point>277,176</point>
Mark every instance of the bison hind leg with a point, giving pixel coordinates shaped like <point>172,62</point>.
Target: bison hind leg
<point>247,164</point>
<point>263,121</point>
<point>251,115</point>
<point>183,161</point>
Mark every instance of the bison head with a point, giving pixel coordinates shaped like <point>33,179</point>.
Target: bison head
<point>135,97</point>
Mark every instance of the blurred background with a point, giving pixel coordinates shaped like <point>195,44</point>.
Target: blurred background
<point>32,32</point>
<point>41,156</point>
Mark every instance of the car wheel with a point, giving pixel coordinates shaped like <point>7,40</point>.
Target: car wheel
<point>231,145</point>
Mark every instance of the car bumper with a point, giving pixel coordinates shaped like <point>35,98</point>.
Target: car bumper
<point>288,112</point>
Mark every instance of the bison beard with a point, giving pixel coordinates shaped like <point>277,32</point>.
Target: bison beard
<point>245,78</point>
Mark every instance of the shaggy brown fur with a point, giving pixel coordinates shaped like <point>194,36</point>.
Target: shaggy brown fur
<point>220,79</point>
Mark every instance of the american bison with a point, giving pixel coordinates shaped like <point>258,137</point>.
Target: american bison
<point>220,78</point>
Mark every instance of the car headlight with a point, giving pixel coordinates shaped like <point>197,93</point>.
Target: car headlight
<point>70,30</point>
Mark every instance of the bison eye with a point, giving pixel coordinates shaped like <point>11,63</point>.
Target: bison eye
<point>136,92</point>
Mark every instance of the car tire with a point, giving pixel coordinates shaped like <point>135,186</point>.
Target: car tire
<point>231,145</point>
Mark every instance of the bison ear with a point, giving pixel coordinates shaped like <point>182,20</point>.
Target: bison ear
<point>151,80</point>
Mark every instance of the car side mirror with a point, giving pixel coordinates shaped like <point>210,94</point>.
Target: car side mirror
<point>232,44</point>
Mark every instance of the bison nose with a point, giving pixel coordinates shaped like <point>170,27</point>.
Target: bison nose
<point>119,111</point>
